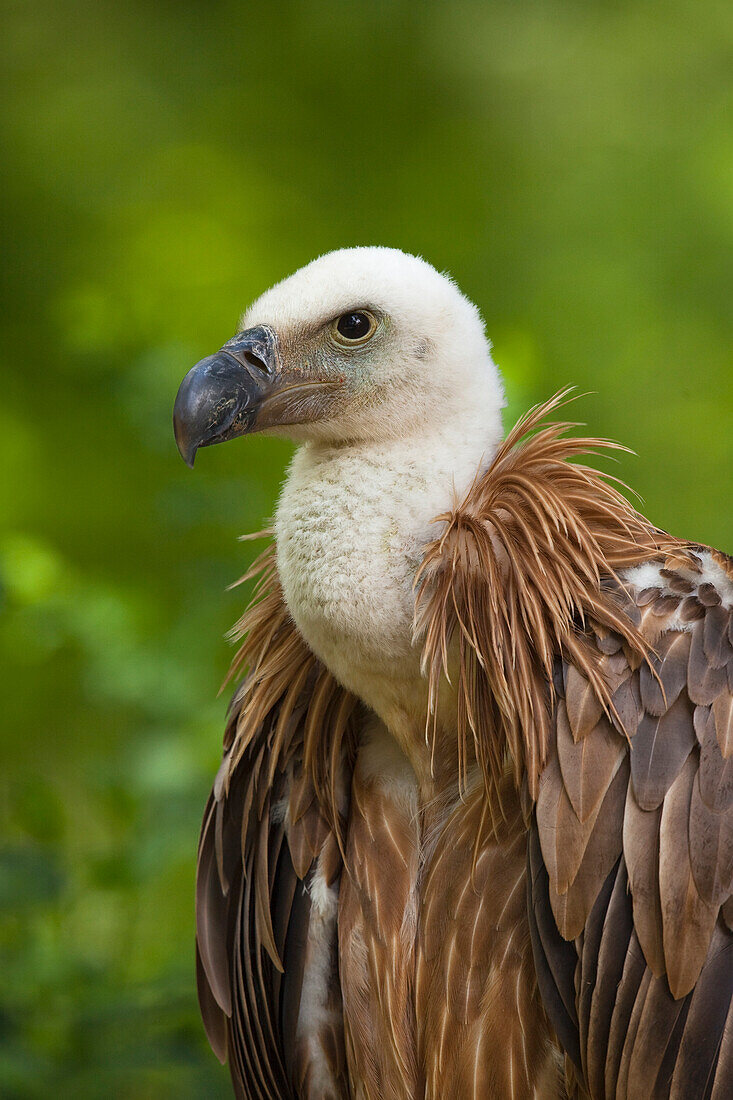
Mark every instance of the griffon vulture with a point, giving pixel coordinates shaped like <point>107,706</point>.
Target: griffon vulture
<point>472,834</point>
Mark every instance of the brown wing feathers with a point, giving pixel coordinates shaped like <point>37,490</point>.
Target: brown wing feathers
<point>675,835</point>
<point>270,825</point>
<point>635,1038</point>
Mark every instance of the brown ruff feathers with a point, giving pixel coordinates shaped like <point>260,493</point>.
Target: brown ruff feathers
<point>516,574</point>
<point>518,569</point>
<point>280,668</point>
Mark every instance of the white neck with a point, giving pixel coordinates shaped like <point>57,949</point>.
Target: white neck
<point>351,527</point>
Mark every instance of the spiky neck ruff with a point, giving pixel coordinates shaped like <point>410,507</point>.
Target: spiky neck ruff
<point>533,553</point>
<point>534,550</point>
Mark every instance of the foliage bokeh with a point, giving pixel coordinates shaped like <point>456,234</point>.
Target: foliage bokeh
<point>570,162</point>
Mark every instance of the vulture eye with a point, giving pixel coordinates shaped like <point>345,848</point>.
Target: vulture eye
<point>355,327</point>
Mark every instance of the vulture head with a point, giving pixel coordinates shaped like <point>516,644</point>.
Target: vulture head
<point>362,344</point>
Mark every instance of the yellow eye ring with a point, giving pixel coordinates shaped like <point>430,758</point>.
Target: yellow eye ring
<point>354,328</point>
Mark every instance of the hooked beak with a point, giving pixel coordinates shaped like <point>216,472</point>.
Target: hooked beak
<point>219,397</point>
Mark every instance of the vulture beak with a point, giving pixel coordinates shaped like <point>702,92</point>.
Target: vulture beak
<point>220,397</point>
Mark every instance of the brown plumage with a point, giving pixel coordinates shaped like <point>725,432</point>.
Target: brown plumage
<point>475,972</point>
<point>377,928</point>
<point>272,824</point>
<point>352,943</point>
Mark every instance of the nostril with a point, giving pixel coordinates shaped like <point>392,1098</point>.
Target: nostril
<point>253,349</point>
<point>255,361</point>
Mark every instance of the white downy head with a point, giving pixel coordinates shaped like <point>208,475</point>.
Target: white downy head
<point>421,365</point>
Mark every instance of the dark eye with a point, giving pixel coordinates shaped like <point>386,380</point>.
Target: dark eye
<point>355,327</point>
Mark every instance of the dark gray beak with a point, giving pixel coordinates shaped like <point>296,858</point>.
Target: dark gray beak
<point>218,398</point>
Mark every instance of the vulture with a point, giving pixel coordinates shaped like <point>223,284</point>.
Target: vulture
<point>472,833</point>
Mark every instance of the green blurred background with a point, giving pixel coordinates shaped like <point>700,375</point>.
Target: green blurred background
<point>570,162</point>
